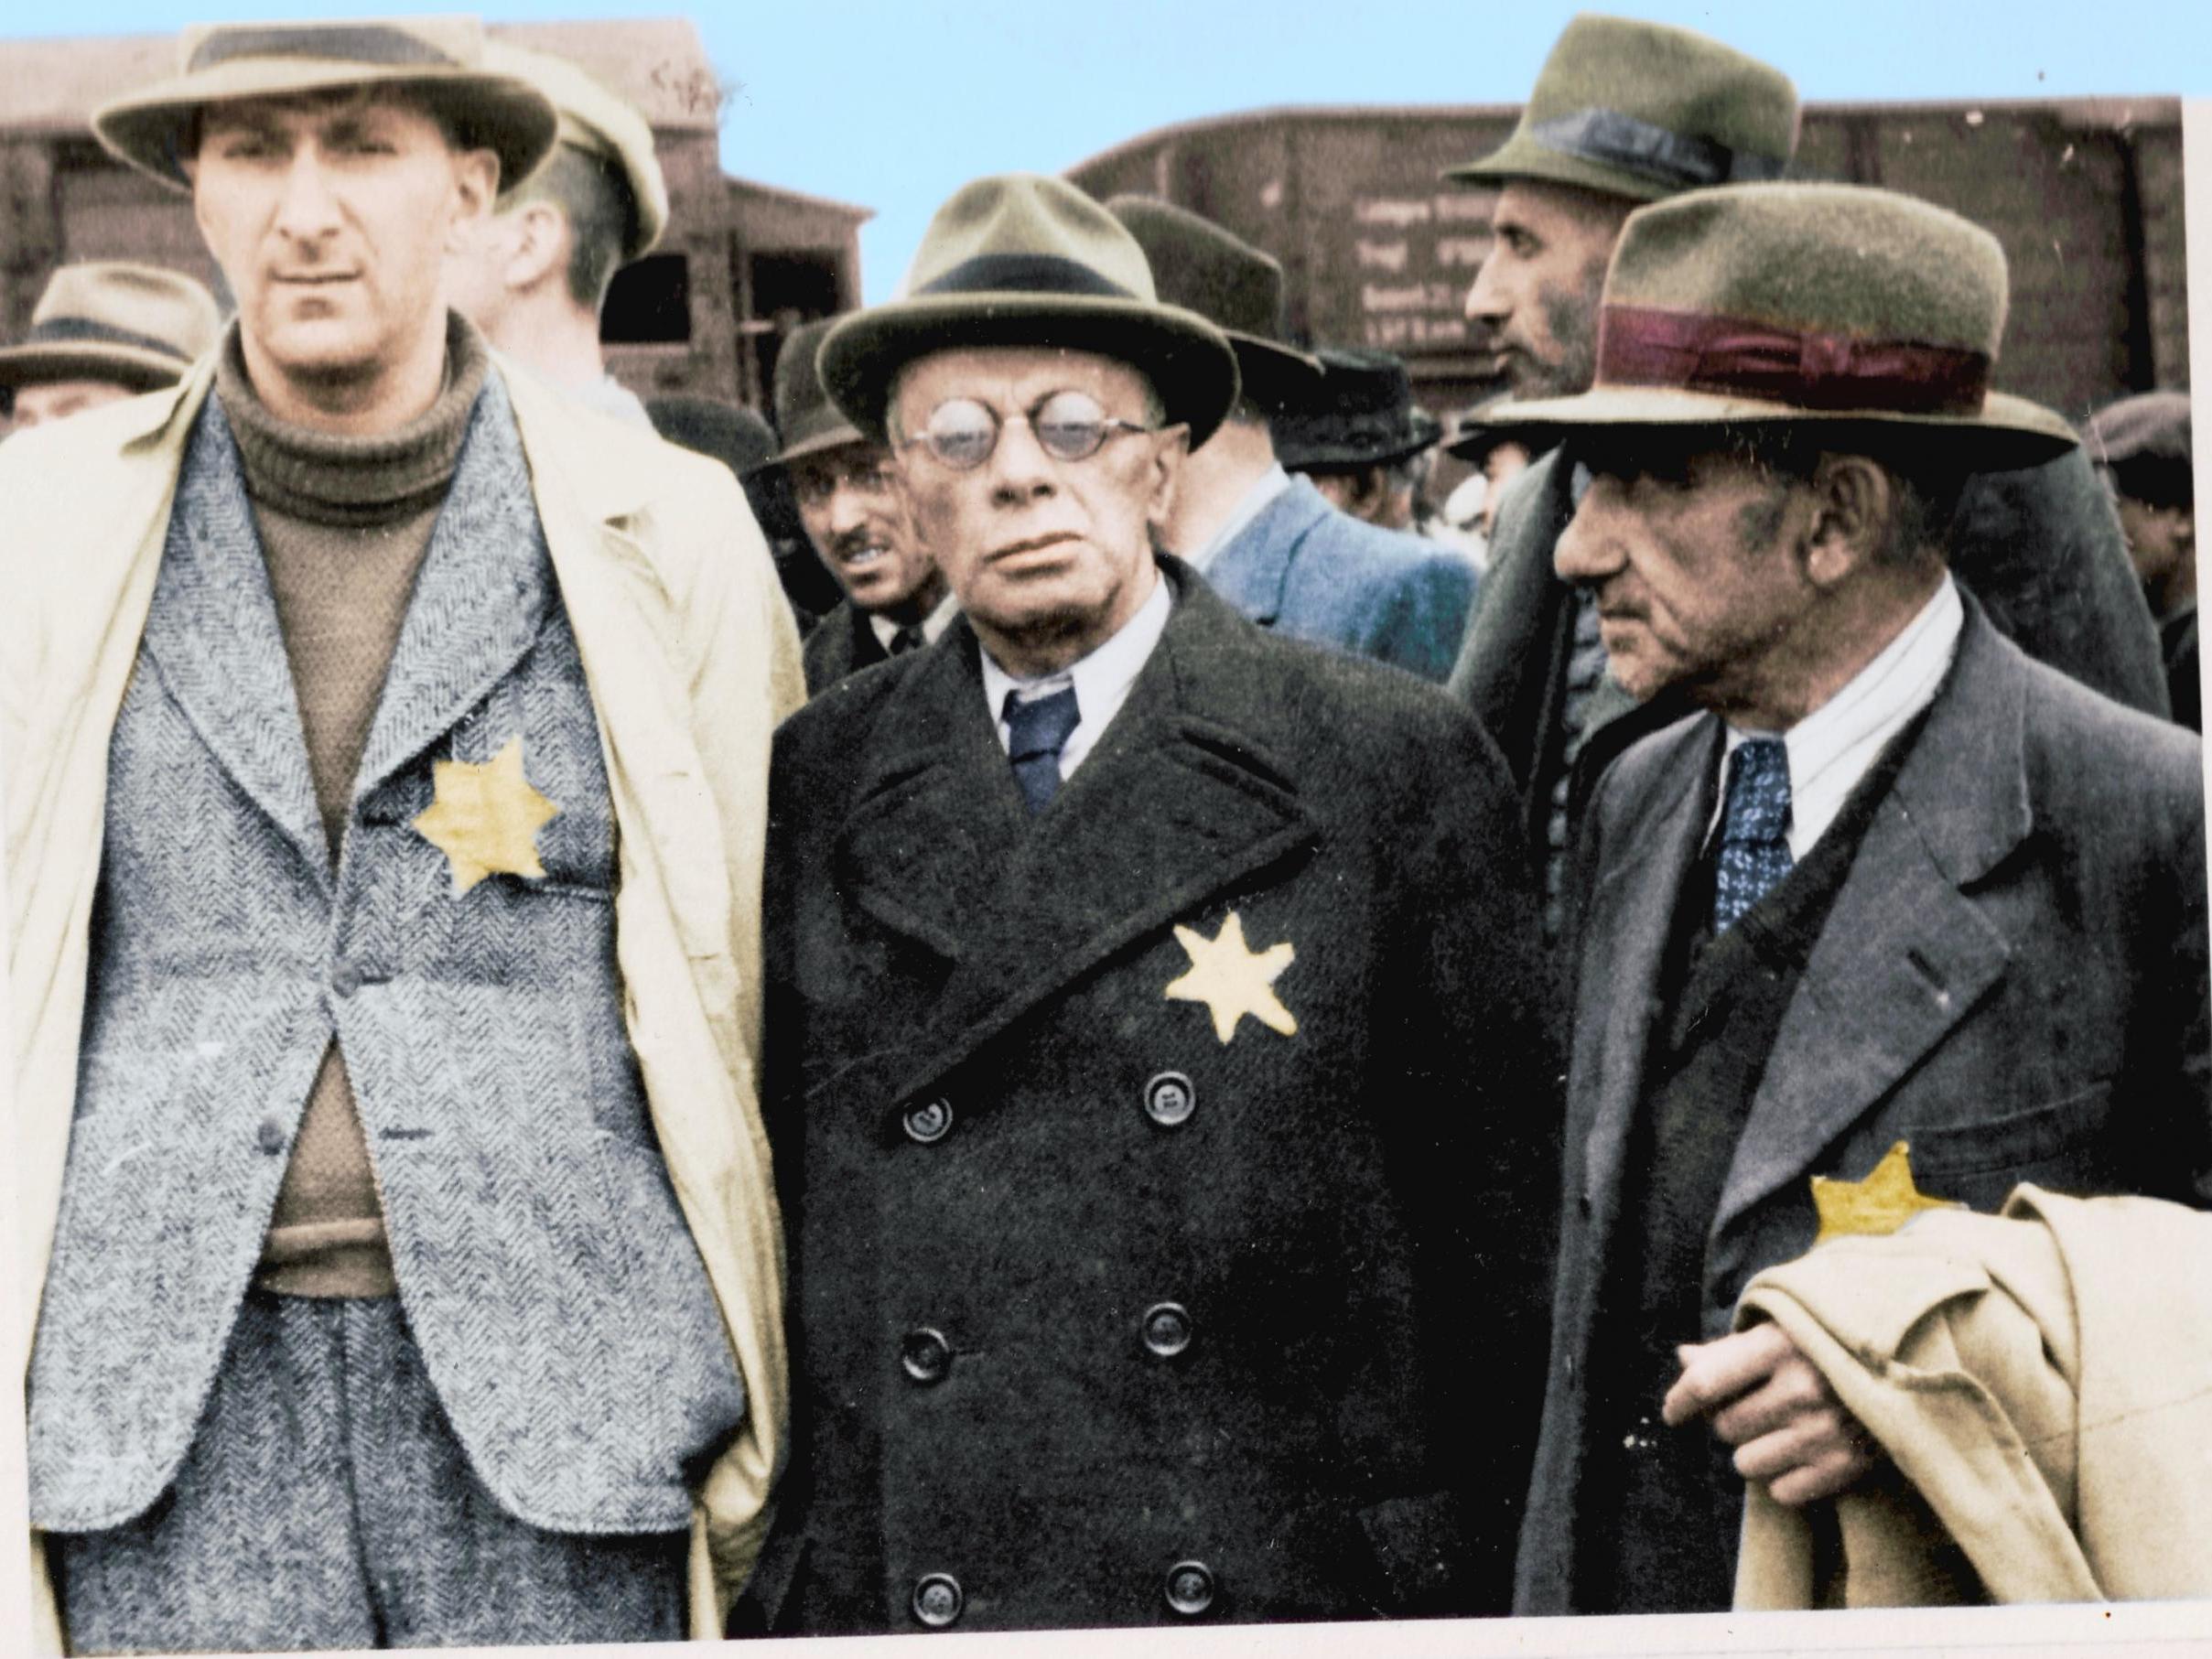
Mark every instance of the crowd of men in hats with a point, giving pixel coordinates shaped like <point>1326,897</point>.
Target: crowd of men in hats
<point>1186,1057</point>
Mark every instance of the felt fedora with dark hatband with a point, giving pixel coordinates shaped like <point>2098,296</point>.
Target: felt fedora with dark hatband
<point>807,421</point>
<point>137,326</point>
<point>1837,306</point>
<point>439,59</point>
<point>1233,284</point>
<point>1361,414</point>
<point>602,126</point>
<point>1025,260</point>
<point>1643,111</point>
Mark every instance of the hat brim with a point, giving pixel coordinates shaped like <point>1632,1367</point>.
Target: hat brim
<point>2009,432</point>
<point>39,362</point>
<point>148,129</point>
<point>1518,158</point>
<point>820,443</point>
<point>1372,452</point>
<point>1274,376</point>
<point>1186,358</point>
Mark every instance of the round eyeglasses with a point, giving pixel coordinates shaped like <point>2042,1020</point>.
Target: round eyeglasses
<point>1068,425</point>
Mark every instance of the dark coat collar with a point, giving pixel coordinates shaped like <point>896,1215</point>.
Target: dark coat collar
<point>1182,796</point>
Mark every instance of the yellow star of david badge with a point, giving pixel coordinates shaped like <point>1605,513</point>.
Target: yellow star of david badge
<point>1233,980</point>
<point>486,818</point>
<point>1876,1206</point>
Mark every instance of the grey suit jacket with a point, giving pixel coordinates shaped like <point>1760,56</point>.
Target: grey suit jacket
<point>2013,980</point>
<point>1305,569</point>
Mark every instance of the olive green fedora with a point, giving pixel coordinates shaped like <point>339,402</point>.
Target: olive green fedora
<point>1645,111</point>
<point>807,421</point>
<point>1020,259</point>
<point>441,60</point>
<point>1234,286</point>
<point>138,326</point>
<point>1825,304</point>
<point>602,125</point>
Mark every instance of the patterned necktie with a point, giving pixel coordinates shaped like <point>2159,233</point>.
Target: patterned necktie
<point>1754,830</point>
<point>1036,732</point>
<point>909,637</point>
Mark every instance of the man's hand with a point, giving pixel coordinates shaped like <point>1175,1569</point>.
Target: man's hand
<point>1771,1403</point>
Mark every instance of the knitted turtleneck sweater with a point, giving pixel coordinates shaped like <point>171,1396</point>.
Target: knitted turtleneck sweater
<point>344,523</point>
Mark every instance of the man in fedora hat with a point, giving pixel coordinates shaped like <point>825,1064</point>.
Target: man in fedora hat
<point>102,332</point>
<point>1623,113</point>
<point>1359,437</point>
<point>386,740</point>
<point>2141,446</point>
<point>847,492</point>
<point>1269,543</point>
<point>1898,916</point>
<point>1151,1034</point>
<point>535,272</point>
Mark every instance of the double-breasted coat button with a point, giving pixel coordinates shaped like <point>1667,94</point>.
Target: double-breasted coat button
<point>345,979</point>
<point>1169,1099</point>
<point>928,1124</point>
<point>270,1136</point>
<point>937,1600</point>
<point>1190,1588</point>
<point>925,1355</point>
<point>1167,1329</point>
<point>1584,1202</point>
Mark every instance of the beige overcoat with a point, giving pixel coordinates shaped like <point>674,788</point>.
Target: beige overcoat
<point>692,659</point>
<point>2042,1383</point>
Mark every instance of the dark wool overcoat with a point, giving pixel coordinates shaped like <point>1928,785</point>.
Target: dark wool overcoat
<point>2011,980</point>
<point>1097,1316</point>
<point>840,644</point>
<point>2041,548</point>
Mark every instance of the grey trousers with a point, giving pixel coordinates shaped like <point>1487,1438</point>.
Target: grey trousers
<point>325,1503</point>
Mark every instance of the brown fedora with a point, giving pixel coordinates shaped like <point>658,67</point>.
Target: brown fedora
<point>138,326</point>
<point>1025,260</point>
<point>1645,111</point>
<point>1233,284</point>
<point>807,420</point>
<point>1825,305</point>
<point>440,59</point>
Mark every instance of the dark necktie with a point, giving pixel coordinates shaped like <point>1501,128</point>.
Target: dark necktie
<point>910,638</point>
<point>1036,732</point>
<point>1754,830</point>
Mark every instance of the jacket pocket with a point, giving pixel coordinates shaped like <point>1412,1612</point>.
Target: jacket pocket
<point>2061,1144</point>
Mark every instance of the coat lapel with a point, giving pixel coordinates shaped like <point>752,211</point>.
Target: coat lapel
<point>940,847</point>
<point>214,633</point>
<point>1254,570</point>
<point>1904,954</point>
<point>1626,934</point>
<point>478,602</point>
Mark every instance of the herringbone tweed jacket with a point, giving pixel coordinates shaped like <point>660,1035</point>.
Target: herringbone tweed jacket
<point>689,655</point>
<point>561,1309</point>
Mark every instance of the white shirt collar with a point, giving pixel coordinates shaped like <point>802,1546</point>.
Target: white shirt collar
<point>1249,506</point>
<point>1102,680</point>
<point>932,625</point>
<point>1832,747</point>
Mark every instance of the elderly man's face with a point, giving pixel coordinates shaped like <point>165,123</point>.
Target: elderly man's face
<point>1536,299</point>
<point>849,502</point>
<point>1048,558</point>
<point>1691,557</point>
<point>330,217</point>
<point>57,400</point>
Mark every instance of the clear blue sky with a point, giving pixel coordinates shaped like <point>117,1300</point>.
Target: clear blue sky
<point>893,104</point>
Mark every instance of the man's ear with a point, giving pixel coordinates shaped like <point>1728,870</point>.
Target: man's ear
<point>1170,449</point>
<point>476,181</point>
<point>1852,501</point>
<point>541,243</point>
